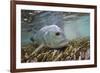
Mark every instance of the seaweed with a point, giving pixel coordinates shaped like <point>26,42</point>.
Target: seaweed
<point>77,49</point>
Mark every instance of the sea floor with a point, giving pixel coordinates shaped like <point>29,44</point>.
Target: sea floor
<point>77,49</point>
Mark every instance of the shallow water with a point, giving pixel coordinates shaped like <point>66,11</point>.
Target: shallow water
<point>75,25</point>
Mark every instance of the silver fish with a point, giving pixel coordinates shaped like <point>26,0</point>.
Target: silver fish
<point>39,21</point>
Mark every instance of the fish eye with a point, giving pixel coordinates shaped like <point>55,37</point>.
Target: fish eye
<point>57,33</point>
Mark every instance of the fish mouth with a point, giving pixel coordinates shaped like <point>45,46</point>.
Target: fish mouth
<point>63,43</point>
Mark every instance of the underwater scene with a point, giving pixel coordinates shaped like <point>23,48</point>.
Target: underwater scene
<point>48,36</point>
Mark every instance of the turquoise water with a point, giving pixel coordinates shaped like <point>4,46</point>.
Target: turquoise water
<point>78,27</point>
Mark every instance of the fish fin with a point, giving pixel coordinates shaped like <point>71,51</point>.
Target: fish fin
<point>32,39</point>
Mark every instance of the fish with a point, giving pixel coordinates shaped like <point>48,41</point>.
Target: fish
<point>40,24</point>
<point>51,36</point>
